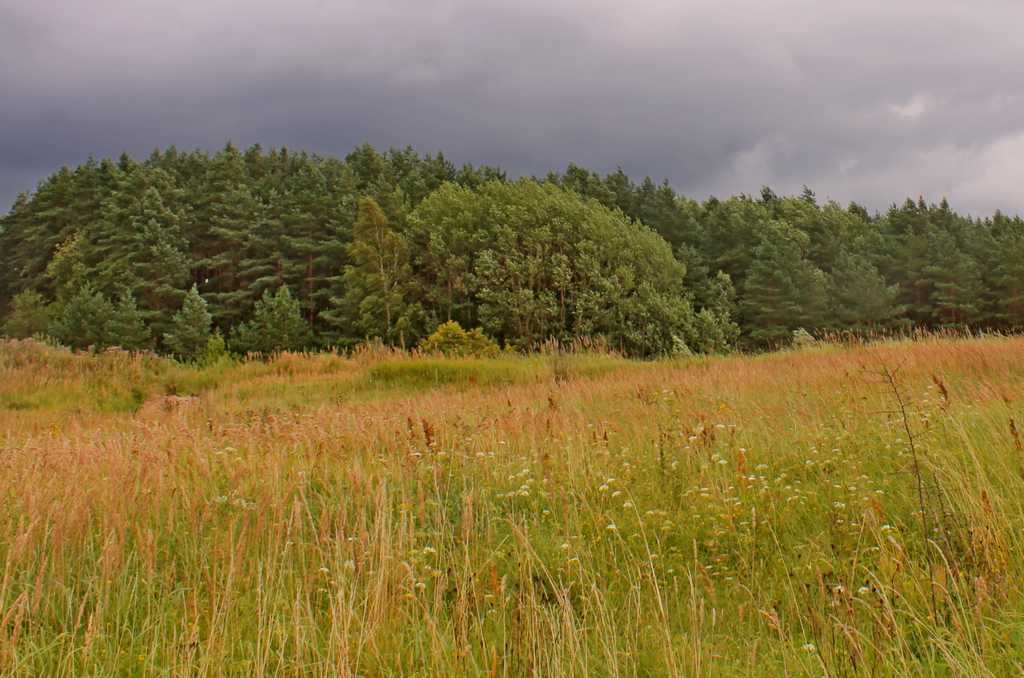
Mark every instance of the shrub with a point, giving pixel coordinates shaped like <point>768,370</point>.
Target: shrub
<point>30,316</point>
<point>451,340</point>
<point>216,350</point>
<point>803,339</point>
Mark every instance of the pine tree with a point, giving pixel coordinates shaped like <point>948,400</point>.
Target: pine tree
<point>30,316</point>
<point>227,212</point>
<point>190,328</point>
<point>623,191</point>
<point>126,327</point>
<point>783,292</point>
<point>262,264</point>
<point>1007,278</point>
<point>21,263</point>
<point>139,246</point>
<point>160,264</point>
<point>859,297</point>
<point>33,230</point>
<point>83,320</point>
<point>955,280</point>
<point>339,210</point>
<point>276,325</point>
<point>311,239</point>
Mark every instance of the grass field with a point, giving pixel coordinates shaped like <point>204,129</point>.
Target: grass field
<point>833,511</point>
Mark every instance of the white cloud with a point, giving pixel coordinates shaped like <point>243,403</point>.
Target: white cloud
<point>912,109</point>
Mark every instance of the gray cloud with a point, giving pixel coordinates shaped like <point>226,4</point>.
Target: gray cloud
<point>866,100</point>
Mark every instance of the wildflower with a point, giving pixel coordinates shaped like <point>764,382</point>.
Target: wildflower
<point>611,527</point>
<point>809,647</point>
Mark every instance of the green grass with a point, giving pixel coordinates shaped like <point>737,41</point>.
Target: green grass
<point>523,516</point>
<point>430,373</point>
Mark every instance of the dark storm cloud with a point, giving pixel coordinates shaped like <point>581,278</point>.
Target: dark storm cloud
<point>864,100</point>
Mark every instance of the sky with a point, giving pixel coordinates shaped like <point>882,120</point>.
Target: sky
<point>865,100</point>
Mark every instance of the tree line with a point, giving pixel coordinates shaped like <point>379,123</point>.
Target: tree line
<point>272,250</point>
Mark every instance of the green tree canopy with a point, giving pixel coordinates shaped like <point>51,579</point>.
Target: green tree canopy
<point>30,316</point>
<point>783,291</point>
<point>379,279</point>
<point>533,261</point>
<point>391,243</point>
<point>276,325</point>
<point>189,333</point>
<point>126,327</point>
<point>83,321</point>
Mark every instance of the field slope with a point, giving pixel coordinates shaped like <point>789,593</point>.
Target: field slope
<point>833,511</point>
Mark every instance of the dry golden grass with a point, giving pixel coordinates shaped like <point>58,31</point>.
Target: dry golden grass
<point>394,516</point>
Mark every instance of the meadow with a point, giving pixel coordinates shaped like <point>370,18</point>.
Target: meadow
<point>839,510</point>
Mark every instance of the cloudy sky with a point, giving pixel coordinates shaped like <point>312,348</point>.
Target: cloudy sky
<point>871,100</point>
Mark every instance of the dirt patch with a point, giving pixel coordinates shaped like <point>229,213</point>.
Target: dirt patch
<point>163,405</point>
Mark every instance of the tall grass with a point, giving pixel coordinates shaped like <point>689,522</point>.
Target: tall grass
<point>384,515</point>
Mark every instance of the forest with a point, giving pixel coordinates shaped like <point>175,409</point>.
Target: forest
<point>255,251</point>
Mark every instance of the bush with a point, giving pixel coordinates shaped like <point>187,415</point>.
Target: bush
<point>451,340</point>
<point>803,339</point>
<point>30,316</point>
<point>216,350</point>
